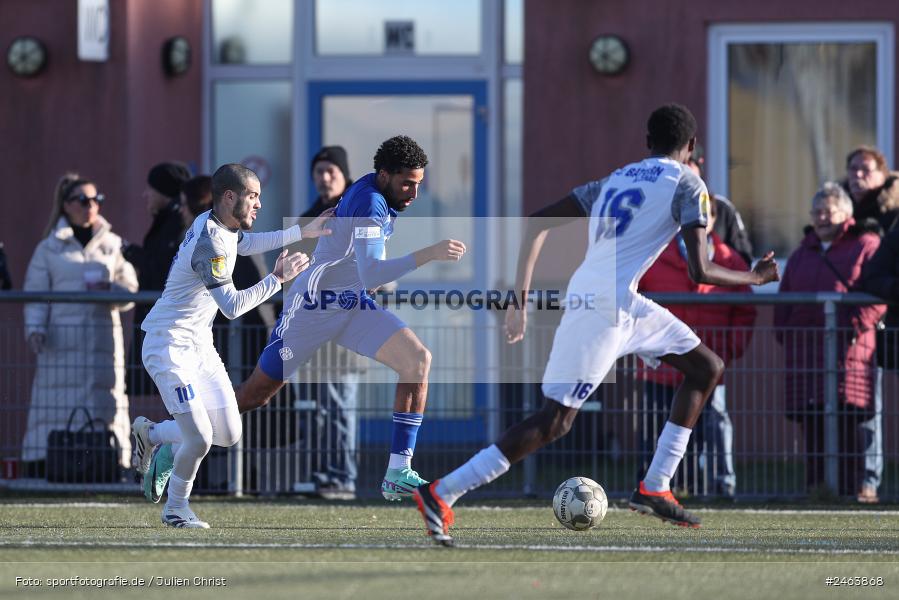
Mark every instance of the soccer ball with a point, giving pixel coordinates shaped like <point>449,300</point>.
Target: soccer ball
<point>580,503</point>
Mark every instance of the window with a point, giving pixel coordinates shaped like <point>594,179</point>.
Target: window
<point>252,31</point>
<point>250,119</point>
<point>357,27</point>
<point>797,101</point>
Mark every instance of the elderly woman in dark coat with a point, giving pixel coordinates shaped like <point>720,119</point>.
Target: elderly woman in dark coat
<point>829,259</point>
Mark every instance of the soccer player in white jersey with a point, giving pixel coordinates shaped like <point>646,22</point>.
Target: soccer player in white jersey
<point>634,213</point>
<point>178,351</point>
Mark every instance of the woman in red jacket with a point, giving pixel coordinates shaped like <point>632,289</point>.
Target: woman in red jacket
<point>726,329</point>
<point>830,258</point>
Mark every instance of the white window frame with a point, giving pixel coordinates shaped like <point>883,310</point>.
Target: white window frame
<point>722,35</point>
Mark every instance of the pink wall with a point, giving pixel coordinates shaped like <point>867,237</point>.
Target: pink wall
<point>111,121</point>
<point>579,125</point>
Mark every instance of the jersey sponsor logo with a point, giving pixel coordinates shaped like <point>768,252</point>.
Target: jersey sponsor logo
<point>219,266</point>
<point>649,174</point>
<point>185,393</point>
<point>704,203</point>
<point>367,233</point>
<point>285,353</point>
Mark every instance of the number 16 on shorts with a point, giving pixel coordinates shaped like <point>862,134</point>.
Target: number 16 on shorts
<point>582,390</point>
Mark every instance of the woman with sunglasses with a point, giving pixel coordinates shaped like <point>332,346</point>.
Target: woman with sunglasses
<point>79,347</point>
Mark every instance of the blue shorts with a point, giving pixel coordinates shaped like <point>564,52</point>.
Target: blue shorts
<point>301,331</point>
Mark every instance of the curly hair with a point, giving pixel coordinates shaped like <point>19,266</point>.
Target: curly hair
<point>398,153</point>
<point>670,127</point>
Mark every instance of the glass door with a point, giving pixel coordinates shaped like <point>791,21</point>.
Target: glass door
<point>447,119</point>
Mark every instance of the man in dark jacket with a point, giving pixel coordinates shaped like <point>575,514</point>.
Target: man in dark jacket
<point>881,277</point>
<point>153,259</point>
<point>336,392</point>
<point>875,198</point>
<point>729,224</point>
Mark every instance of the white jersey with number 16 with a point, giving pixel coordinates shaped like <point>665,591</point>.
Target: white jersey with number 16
<point>634,214</point>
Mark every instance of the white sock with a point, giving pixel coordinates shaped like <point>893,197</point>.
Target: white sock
<point>165,432</point>
<point>483,467</point>
<point>669,453</point>
<point>179,492</point>
<point>399,461</point>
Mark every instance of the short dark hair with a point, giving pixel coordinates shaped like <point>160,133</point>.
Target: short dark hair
<point>398,153</point>
<point>670,127</point>
<point>872,153</point>
<point>232,177</point>
<point>198,194</point>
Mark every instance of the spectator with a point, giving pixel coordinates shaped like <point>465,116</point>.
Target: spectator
<point>152,260</point>
<point>829,259</point>
<point>873,188</point>
<point>79,347</point>
<point>881,277</point>
<point>729,224</point>
<point>727,331</point>
<point>5,279</point>
<point>337,391</point>
<point>875,195</point>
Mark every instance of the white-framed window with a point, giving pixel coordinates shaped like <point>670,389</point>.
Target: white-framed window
<point>787,102</point>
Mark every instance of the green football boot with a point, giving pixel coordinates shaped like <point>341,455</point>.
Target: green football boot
<point>157,476</point>
<point>400,483</point>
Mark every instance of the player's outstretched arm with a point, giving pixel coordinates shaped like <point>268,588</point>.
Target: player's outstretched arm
<point>288,266</point>
<point>703,270</point>
<point>257,243</point>
<point>442,250</point>
<point>538,225</point>
<point>233,302</point>
<point>318,226</point>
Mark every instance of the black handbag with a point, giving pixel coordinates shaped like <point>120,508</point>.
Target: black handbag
<point>88,455</point>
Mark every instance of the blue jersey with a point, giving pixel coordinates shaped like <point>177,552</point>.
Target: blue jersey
<point>354,256</point>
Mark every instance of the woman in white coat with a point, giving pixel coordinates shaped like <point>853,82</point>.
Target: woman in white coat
<point>79,347</point>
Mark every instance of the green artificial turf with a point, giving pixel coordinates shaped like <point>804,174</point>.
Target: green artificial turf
<point>304,550</point>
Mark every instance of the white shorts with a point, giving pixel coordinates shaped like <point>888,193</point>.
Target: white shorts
<point>587,345</point>
<point>186,373</point>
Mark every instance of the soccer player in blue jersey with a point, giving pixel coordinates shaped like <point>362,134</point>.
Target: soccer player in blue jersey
<point>333,301</point>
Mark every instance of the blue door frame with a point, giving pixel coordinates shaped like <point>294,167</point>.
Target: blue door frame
<point>443,431</point>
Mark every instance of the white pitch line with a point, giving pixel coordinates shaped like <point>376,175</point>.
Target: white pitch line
<point>67,504</point>
<point>527,547</point>
<point>612,509</point>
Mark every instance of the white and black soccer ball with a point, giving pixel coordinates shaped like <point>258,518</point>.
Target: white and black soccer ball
<point>580,503</point>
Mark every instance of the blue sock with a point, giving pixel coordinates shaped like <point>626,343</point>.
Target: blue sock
<point>405,432</point>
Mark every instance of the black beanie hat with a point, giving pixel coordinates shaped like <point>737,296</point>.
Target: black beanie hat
<point>168,177</point>
<point>336,155</point>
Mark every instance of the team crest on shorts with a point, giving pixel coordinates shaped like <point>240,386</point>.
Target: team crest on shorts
<point>286,353</point>
<point>219,266</point>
